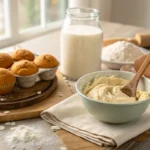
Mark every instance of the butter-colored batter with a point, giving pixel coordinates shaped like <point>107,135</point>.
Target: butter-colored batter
<point>107,89</point>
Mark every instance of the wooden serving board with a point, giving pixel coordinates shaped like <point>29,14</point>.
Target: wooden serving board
<point>23,97</point>
<point>34,111</point>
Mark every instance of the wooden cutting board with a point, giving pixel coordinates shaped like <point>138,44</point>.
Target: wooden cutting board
<point>34,111</point>
<point>23,97</point>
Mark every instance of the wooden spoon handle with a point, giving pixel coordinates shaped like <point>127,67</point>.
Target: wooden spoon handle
<point>142,69</point>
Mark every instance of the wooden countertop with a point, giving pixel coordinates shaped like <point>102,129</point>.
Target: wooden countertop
<point>50,44</point>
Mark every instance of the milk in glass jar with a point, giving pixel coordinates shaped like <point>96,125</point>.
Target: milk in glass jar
<point>81,42</point>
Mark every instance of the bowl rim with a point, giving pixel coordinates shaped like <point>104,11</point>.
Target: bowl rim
<point>105,103</point>
<point>116,62</point>
<point>105,60</point>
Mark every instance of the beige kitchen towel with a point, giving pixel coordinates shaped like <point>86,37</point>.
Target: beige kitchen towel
<point>71,115</point>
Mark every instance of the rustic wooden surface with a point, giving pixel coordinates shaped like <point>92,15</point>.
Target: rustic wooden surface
<point>34,111</point>
<point>70,140</point>
<point>51,44</point>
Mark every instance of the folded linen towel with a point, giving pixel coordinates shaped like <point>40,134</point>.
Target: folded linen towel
<point>71,115</point>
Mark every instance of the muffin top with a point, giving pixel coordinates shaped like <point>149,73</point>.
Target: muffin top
<point>22,54</point>
<point>6,77</point>
<point>5,60</point>
<point>24,68</point>
<point>46,61</point>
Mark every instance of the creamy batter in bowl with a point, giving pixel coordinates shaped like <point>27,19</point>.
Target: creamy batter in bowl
<point>106,108</point>
<point>107,89</point>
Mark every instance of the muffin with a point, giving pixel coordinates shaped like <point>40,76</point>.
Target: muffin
<point>48,65</point>
<point>46,61</point>
<point>24,68</point>
<point>25,72</point>
<point>22,54</point>
<point>5,60</point>
<point>7,81</point>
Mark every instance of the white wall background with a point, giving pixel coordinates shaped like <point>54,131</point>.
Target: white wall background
<point>133,12</point>
<point>103,5</point>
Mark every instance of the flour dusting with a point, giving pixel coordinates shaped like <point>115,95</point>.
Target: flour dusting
<point>23,134</point>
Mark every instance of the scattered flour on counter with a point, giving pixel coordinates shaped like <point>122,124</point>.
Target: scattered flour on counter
<point>2,99</point>
<point>7,123</point>
<point>10,123</point>
<point>13,123</point>
<point>39,92</point>
<point>23,134</point>
<point>65,78</point>
<point>63,148</point>
<point>55,128</point>
<point>121,51</point>
<point>2,128</point>
<point>59,94</point>
<point>6,112</point>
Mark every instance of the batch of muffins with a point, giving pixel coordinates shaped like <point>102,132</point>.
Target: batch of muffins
<point>23,68</point>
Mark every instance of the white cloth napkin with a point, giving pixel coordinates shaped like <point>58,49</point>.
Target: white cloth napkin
<point>71,115</point>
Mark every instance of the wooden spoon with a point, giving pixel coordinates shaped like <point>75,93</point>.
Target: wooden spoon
<point>130,88</point>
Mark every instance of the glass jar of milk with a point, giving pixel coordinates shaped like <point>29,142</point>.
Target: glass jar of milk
<point>81,42</point>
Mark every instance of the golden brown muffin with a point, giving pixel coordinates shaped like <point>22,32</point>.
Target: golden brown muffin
<point>5,60</point>
<point>46,61</point>
<point>24,68</point>
<point>7,81</point>
<point>22,54</point>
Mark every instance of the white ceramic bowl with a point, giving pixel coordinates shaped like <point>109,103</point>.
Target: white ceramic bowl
<point>112,112</point>
<point>114,65</point>
<point>117,65</point>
